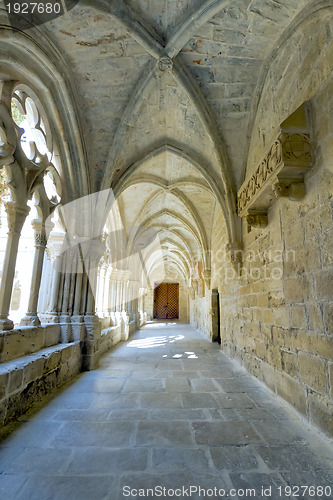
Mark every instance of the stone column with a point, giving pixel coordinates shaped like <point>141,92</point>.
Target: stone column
<point>16,218</point>
<point>31,318</point>
<point>106,295</point>
<point>53,251</point>
<point>65,318</point>
<point>90,345</point>
<point>117,302</point>
<point>101,290</point>
<point>112,298</point>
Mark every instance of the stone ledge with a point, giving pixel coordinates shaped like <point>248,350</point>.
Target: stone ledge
<point>109,337</point>
<point>27,340</point>
<point>28,379</point>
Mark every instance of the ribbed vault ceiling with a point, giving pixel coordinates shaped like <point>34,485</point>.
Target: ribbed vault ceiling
<point>168,91</point>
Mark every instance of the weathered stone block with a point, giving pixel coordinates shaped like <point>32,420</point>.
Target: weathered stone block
<point>298,318</point>
<point>17,343</point>
<point>315,317</point>
<point>299,289</point>
<point>3,411</point>
<point>266,333</point>
<point>312,228</point>
<point>66,353</point>
<point>292,391</point>
<point>313,372</point>
<point>33,370</point>
<point>268,316</point>
<point>63,373</point>
<point>268,376</point>
<point>15,380</point>
<point>3,384</point>
<point>252,364</point>
<point>321,412</point>
<point>326,219</point>
<point>274,356</point>
<point>282,337</point>
<point>328,318</point>
<point>52,361</point>
<point>290,363</point>
<point>52,335</point>
<point>261,349</point>
<point>281,317</point>
<point>276,298</point>
<point>263,300</point>
<point>294,236</point>
<point>326,248</point>
<point>320,345</point>
<point>324,284</point>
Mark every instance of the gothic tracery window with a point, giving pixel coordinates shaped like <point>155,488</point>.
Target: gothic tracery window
<point>43,186</point>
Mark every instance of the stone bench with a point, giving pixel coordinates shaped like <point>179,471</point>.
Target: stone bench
<point>109,337</point>
<point>27,340</point>
<point>28,379</point>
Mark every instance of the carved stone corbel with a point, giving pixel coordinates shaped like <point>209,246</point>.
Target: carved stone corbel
<point>295,191</point>
<point>235,252</point>
<point>257,220</point>
<point>207,276</point>
<point>281,172</point>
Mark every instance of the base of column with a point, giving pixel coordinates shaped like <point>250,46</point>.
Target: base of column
<point>124,326</point>
<point>65,328</point>
<point>6,324</point>
<point>78,327</point>
<point>90,345</point>
<point>30,321</point>
<point>49,318</point>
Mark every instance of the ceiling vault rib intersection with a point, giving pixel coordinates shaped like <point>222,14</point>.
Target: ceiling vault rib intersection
<point>152,43</point>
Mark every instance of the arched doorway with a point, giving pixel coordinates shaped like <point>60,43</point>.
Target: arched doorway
<point>166,301</point>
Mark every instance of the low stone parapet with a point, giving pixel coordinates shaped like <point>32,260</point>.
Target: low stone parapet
<point>27,340</point>
<point>27,380</point>
<point>109,337</point>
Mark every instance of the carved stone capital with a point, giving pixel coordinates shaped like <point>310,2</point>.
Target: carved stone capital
<point>257,220</point>
<point>55,245</point>
<point>39,233</point>
<point>40,240</point>
<point>16,215</point>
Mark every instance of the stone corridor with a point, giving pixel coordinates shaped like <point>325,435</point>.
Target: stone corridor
<point>166,409</point>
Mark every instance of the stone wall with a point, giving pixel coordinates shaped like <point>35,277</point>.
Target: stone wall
<point>276,317</point>
<point>28,379</point>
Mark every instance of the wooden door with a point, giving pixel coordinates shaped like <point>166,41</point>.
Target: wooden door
<point>166,304</point>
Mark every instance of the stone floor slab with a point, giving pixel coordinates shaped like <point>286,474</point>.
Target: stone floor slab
<point>175,433</point>
<point>224,433</point>
<point>144,419</point>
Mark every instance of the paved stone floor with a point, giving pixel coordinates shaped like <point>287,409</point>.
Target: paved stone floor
<point>165,410</point>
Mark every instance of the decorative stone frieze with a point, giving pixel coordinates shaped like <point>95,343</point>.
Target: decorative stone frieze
<point>280,174</point>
